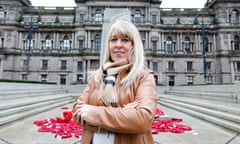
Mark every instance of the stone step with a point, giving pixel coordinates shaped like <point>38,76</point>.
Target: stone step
<point>213,105</point>
<point>13,94</point>
<point>230,97</point>
<point>221,115</point>
<point>7,104</point>
<point>229,121</point>
<point>28,110</point>
<point>31,105</point>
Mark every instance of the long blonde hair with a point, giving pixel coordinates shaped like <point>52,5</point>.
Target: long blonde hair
<point>137,58</point>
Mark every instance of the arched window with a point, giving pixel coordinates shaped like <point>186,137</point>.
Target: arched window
<point>236,43</point>
<point>98,16</point>
<point>169,45</point>
<point>138,17</point>
<point>66,43</point>
<point>29,44</point>
<point>97,42</point>
<point>48,43</point>
<point>234,17</point>
<point>2,13</point>
<point>187,44</point>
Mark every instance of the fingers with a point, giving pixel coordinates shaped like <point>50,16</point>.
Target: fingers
<point>81,113</point>
<point>77,115</point>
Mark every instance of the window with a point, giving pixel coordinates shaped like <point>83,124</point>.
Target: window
<point>237,66</point>
<point>171,66</point>
<point>63,65</point>
<point>236,43</point>
<point>143,43</point>
<point>97,42</point>
<point>98,16</point>
<point>208,66</point>
<point>169,46</point>
<point>81,20</point>
<point>138,17</point>
<point>189,66</point>
<point>209,79</point>
<point>66,43</point>
<point>190,80</point>
<point>94,64</point>
<point>171,80</point>
<point>205,44</point>
<point>237,78</point>
<point>44,78</point>
<point>2,13</point>
<point>29,44</point>
<point>80,78</point>
<point>154,46</point>
<point>154,19</point>
<point>47,45</point>
<point>24,77</point>
<point>44,64</point>
<point>79,66</point>
<point>234,17</point>
<point>187,44</point>
<point>81,44</point>
<point>155,66</point>
<point>63,79</point>
<point>25,64</point>
<point>1,42</point>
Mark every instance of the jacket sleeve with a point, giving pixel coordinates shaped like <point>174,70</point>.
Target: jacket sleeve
<point>129,120</point>
<point>83,98</point>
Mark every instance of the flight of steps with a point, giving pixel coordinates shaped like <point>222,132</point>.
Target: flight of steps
<point>18,101</point>
<point>222,96</point>
<point>221,113</point>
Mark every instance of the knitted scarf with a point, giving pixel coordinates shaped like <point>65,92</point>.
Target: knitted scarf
<point>107,92</point>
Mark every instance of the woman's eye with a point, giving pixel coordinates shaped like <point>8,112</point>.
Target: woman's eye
<point>113,39</point>
<point>125,40</point>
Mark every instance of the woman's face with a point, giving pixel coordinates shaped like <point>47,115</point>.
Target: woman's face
<point>119,46</point>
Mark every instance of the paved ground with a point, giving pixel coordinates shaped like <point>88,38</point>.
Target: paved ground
<point>24,132</point>
<point>202,132</point>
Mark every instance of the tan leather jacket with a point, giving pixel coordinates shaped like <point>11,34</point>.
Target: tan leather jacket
<point>130,126</point>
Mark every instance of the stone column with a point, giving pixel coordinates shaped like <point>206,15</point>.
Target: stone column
<point>89,46</point>
<point>86,39</point>
<point>162,42</point>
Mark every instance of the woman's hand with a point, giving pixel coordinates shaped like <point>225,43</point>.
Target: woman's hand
<point>82,113</point>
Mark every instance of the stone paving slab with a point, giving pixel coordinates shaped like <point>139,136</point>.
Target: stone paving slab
<point>25,132</point>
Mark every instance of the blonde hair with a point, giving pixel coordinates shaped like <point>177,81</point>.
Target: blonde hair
<point>137,58</point>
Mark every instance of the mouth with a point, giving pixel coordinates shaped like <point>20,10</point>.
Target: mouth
<point>118,52</point>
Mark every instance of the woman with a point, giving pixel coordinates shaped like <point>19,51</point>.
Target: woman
<point>118,104</point>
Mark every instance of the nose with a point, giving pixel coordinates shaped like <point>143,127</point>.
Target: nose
<point>119,43</point>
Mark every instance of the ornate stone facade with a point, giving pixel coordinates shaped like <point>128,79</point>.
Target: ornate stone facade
<point>62,44</point>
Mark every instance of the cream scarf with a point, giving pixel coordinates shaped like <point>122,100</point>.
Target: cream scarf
<point>107,91</point>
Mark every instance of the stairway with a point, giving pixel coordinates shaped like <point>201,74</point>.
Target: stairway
<point>18,101</point>
<point>224,114</point>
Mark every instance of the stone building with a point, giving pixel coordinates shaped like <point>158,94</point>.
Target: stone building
<point>62,44</point>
